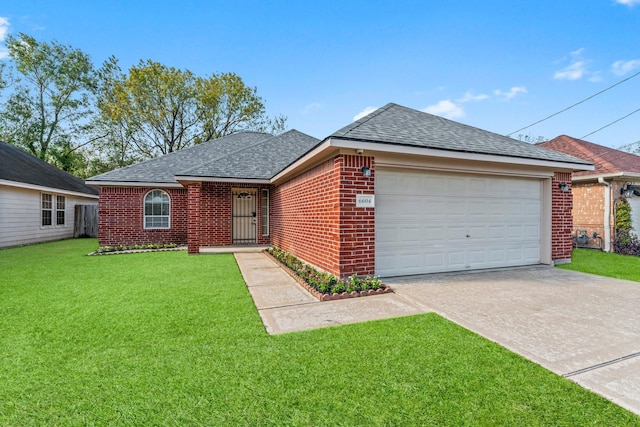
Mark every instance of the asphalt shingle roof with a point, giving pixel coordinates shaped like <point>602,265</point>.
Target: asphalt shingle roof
<point>243,155</point>
<point>606,160</point>
<point>395,124</point>
<point>262,160</point>
<point>19,166</point>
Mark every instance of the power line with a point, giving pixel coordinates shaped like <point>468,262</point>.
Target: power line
<point>576,104</point>
<point>612,123</point>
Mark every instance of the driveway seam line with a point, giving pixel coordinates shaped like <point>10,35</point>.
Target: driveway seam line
<point>601,365</point>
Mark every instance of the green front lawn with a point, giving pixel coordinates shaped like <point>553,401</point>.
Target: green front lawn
<point>170,339</point>
<point>605,264</point>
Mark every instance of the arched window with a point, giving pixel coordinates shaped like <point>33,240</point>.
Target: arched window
<point>157,207</point>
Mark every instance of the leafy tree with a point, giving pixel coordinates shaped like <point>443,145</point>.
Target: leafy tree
<point>155,109</point>
<point>226,105</point>
<point>49,108</point>
<point>530,139</point>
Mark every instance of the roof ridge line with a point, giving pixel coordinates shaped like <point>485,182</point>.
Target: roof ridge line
<point>262,141</point>
<point>222,157</point>
<point>373,114</point>
<point>180,152</point>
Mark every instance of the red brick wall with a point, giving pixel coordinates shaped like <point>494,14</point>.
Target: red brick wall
<point>588,207</point>
<point>215,213</point>
<point>305,216</point>
<point>314,217</point>
<point>121,217</point>
<point>561,219</point>
<point>357,225</point>
<point>194,192</point>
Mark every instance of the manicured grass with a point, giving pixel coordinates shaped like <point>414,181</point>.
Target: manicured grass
<point>171,339</point>
<point>605,264</point>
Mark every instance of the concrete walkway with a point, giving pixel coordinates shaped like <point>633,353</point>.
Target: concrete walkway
<point>583,327</point>
<point>285,306</point>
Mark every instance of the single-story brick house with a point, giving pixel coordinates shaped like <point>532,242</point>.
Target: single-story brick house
<point>37,200</point>
<point>595,192</point>
<point>396,192</point>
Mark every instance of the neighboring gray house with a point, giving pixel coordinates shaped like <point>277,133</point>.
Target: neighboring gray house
<point>37,200</point>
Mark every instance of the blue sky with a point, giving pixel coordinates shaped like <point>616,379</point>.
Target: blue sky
<point>495,64</point>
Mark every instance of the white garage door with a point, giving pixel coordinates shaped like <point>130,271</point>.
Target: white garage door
<point>434,222</point>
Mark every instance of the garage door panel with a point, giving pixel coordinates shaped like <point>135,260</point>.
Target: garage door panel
<point>456,260</point>
<point>431,223</point>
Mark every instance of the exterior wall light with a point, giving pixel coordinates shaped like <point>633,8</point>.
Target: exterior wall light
<point>366,172</point>
<point>564,187</point>
<point>629,190</point>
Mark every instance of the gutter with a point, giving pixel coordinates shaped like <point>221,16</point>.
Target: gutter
<point>607,214</point>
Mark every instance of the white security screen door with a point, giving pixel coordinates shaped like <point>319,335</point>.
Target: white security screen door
<point>244,216</point>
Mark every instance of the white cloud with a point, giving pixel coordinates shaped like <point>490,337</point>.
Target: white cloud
<point>576,70</point>
<point>620,68</point>
<point>512,93</point>
<point>311,108</point>
<point>445,108</point>
<point>470,96</point>
<point>629,3</point>
<point>366,111</point>
<point>4,29</point>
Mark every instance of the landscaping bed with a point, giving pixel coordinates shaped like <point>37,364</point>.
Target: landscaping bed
<point>150,247</point>
<point>325,286</point>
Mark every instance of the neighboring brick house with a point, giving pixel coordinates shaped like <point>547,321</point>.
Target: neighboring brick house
<point>37,200</point>
<point>396,192</point>
<point>595,192</point>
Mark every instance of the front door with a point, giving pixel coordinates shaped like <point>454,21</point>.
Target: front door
<point>244,216</point>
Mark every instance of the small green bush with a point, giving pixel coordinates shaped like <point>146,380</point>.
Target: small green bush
<point>121,248</point>
<point>322,281</point>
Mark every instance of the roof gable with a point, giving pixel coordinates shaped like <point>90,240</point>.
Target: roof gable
<point>19,166</point>
<point>606,160</point>
<point>394,124</point>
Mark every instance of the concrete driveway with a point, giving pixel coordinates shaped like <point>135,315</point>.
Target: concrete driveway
<point>583,327</point>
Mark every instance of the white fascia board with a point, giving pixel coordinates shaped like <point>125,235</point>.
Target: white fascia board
<point>46,189</point>
<point>302,160</point>
<point>423,151</point>
<point>630,175</point>
<point>133,184</point>
<point>213,179</point>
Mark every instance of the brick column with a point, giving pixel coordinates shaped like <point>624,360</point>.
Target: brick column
<point>561,219</point>
<point>357,224</point>
<point>193,220</point>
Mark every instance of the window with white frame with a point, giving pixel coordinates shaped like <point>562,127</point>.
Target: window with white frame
<point>157,207</point>
<point>60,210</point>
<point>265,211</point>
<point>46,206</point>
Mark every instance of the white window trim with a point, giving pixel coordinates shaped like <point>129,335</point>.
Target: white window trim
<point>264,214</point>
<point>56,210</point>
<point>144,209</point>
<point>51,210</point>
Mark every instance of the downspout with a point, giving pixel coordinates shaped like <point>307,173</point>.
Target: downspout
<point>607,214</point>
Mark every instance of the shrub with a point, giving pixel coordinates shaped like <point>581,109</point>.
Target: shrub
<point>626,241</point>
<point>322,281</point>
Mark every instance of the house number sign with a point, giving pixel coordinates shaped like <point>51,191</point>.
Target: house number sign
<point>365,201</point>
